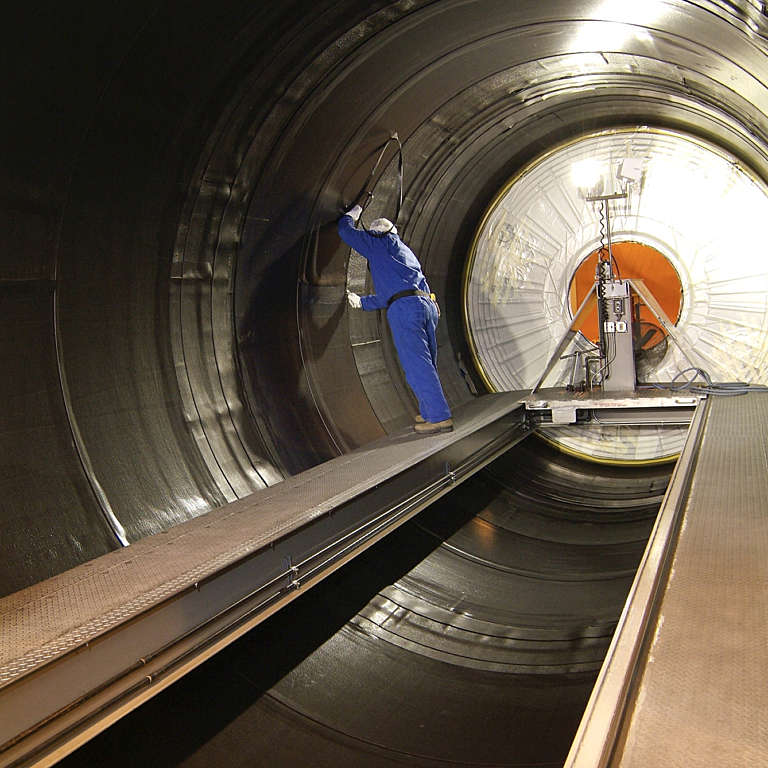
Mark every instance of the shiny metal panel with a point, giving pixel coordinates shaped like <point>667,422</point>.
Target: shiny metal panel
<point>597,733</point>
<point>700,696</point>
<point>682,684</point>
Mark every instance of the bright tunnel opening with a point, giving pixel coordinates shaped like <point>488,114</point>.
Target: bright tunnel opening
<point>688,224</point>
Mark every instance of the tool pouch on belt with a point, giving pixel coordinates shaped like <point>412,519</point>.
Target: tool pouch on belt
<point>413,292</point>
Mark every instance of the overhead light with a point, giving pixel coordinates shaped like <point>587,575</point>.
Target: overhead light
<point>587,174</point>
<point>615,23</point>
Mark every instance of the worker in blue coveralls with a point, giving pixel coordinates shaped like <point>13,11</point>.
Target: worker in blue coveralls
<point>402,290</point>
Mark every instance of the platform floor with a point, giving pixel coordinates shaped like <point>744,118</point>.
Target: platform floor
<point>49,619</point>
<point>702,696</point>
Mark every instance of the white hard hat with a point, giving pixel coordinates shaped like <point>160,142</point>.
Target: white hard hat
<point>382,227</point>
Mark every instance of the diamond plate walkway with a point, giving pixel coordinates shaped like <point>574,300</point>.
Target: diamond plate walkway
<point>684,682</point>
<point>85,647</point>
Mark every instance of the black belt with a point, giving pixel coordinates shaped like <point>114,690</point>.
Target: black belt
<point>409,292</point>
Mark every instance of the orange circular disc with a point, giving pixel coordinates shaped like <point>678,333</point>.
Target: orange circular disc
<point>639,261</point>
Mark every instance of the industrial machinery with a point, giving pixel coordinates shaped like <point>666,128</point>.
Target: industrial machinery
<point>605,379</point>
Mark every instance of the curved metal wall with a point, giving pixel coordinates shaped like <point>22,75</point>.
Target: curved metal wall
<point>174,330</point>
<point>174,167</point>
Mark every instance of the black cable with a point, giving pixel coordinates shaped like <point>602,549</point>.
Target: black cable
<point>606,368</point>
<point>722,389</point>
<point>369,193</point>
<point>601,275</point>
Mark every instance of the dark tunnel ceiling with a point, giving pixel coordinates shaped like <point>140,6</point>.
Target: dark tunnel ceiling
<point>171,166</point>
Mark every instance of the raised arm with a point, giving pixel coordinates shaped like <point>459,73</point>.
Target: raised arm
<point>354,238</point>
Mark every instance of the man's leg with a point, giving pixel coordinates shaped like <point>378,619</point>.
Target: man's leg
<point>409,321</point>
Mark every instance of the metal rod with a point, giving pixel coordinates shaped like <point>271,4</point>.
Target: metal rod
<point>595,198</point>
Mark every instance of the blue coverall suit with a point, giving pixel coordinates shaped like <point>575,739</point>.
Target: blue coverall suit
<point>412,319</point>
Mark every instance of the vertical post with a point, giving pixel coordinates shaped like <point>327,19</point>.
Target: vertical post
<point>617,370</point>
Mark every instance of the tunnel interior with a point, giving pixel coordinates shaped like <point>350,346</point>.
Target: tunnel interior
<point>176,337</point>
<point>471,636</point>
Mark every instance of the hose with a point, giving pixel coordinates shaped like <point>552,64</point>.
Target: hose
<point>725,388</point>
<point>369,185</point>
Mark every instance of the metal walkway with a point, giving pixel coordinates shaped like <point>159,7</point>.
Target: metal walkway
<point>82,649</point>
<point>684,681</point>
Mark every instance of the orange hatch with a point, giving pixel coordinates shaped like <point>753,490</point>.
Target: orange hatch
<point>639,261</point>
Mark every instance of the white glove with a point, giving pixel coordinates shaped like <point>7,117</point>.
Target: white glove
<point>354,212</point>
<point>354,300</point>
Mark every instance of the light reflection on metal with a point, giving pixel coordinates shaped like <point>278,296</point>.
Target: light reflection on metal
<point>616,22</point>
<point>693,202</point>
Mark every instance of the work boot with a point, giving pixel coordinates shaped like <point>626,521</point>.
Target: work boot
<point>433,427</point>
<point>419,418</point>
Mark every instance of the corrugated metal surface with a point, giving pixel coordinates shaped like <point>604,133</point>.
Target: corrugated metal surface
<point>702,698</point>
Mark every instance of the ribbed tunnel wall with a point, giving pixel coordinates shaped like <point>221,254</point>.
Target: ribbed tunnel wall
<point>174,333</point>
